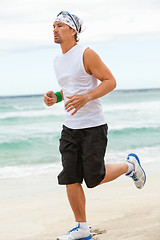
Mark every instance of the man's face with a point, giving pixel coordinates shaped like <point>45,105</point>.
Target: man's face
<point>62,32</point>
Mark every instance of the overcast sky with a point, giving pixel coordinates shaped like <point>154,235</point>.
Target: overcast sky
<point>26,25</point>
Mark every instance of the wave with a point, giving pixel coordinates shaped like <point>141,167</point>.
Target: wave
<point>111,104</point>
<point>29,170</point>
<point>58,110</point>
<point>28,141</point>
<point>6,108</point>
<point>133,138</point>
<point>43,148</point>
<point>140,130</point>
<point>131,106</point>
<point>28,136</point>
<point>146,154</point>
<point>32,114</point>
<point>29,150</point>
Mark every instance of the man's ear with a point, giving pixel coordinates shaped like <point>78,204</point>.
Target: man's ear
<point>73,31</point>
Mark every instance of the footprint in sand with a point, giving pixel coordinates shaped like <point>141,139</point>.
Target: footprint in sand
<point>96,232</point>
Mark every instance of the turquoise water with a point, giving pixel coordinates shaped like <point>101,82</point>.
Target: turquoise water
<point>30,131</point>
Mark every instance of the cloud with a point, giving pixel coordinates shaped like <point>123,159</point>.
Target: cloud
<point>30,22</point>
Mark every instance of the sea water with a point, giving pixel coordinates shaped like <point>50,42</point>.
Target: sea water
<point>30,131</point>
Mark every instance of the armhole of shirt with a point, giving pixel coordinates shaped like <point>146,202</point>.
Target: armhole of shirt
<point>83,62</point>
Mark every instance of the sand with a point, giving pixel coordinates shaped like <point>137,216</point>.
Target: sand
<point>116,210</point>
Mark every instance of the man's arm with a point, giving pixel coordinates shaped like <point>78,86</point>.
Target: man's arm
<point>93,65</point>
<point>50,98</point>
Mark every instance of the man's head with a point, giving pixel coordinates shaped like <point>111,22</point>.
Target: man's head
<point>66,26</point>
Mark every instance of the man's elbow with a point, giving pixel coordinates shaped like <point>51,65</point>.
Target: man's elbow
<point>114,84</point>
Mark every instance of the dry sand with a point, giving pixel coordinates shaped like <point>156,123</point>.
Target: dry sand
<point>115,210</point>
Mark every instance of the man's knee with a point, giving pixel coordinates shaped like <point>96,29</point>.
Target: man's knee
<point>73,186</point>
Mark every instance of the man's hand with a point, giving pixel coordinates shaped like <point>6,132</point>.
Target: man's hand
<point>50,98</point>
<point>76,102</point>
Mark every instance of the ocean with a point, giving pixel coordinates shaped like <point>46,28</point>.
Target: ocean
<point>30,131</point>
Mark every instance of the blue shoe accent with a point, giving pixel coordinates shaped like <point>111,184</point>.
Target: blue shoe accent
<point>76,228</point>
<point>73,229</point>
<point>136,157</point>
<point>134,176</point>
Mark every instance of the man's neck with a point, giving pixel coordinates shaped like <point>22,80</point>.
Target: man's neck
<point>66,47</point>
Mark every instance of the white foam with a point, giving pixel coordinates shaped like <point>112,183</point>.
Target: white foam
<point>149,106</point>
<point>29,170</point>
<point>52,111</point>
<point>146,154</point>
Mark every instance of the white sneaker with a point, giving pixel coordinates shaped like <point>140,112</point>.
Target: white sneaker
<point>77,233</point>
<point>138,175</point>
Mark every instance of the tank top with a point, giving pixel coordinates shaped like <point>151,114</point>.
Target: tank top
<point>73,79</point>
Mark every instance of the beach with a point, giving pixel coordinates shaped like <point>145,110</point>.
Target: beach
<point>115,210</point>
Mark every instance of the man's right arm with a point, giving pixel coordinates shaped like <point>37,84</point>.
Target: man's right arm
<point>50,98</point>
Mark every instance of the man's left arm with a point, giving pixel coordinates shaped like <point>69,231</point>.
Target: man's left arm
<point>93,65</point>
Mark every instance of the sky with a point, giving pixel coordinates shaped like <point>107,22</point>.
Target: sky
<point>126,35</point>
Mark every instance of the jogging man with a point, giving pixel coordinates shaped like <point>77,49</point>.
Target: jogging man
<point>84,136</point>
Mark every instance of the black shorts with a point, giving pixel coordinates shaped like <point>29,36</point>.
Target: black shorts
<point>83,153</point>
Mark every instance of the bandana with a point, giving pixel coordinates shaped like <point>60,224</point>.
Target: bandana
<point>71,20</point>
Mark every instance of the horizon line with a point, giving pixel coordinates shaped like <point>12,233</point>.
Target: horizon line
<point>117,90</point>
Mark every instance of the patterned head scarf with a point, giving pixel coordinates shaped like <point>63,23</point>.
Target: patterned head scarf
<point>71,20</point>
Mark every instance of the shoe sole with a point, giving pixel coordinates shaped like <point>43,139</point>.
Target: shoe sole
<point>136,157</point>
<point>86,238</point>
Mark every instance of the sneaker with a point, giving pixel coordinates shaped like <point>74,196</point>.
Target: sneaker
<point>138,175</point>
<point>77,234</point>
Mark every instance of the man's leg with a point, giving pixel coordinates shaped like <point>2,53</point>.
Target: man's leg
<point>132,168</point>
<point>114,170</point>
<point>77,201</point>
<point>76,195</point>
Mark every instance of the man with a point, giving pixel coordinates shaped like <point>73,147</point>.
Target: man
<point>84,136</point>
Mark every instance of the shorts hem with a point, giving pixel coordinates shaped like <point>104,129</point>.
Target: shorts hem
<point>69,183</point>
<point>96,183</point>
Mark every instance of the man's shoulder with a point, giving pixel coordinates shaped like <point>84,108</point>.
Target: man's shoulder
<point>90,52</point>
<point>90,55</point>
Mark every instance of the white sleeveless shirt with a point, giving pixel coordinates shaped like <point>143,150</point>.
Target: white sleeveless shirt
<point>73,79</point>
